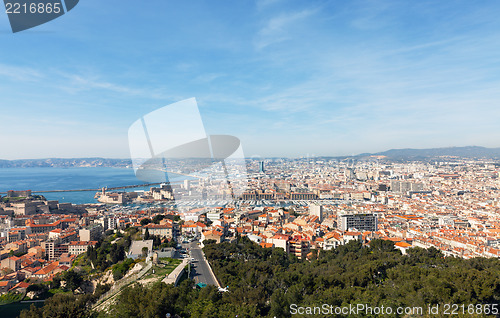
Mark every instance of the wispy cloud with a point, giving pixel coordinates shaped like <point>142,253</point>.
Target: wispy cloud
<point>368,15</point>
<point>353,75</point>
<point>78,83</point>
<point>20,73</point>
<point>262,4</point>
<point>208,77</point>
<point>279,28</point>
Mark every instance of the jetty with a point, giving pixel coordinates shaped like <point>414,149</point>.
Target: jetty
<point>95,190</point>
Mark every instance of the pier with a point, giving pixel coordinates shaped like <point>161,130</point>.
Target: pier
<point>99,189</point>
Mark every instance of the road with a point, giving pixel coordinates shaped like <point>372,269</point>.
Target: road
<point>200,270</point>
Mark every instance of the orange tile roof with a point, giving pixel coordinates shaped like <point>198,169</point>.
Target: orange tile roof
<point>403,244</point>
<point>82,243</point>
<point>352,233</point>
<point>47,269</point>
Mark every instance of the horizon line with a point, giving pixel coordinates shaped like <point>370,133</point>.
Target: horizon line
<point>263,157</point>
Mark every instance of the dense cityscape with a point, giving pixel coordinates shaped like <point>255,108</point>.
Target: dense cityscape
<point>304,207</point>
<point>246,159</point>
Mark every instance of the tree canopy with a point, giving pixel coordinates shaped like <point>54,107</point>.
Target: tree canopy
<point>265,282</point>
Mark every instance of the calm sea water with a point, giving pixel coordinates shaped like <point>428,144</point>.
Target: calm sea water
<point>43,179</point>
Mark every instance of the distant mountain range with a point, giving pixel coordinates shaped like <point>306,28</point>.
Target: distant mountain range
<point>65,163</point>
<point>425,154</point>
<point>393,154</point>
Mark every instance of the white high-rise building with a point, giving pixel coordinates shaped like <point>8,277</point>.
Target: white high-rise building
<point>316,210</point>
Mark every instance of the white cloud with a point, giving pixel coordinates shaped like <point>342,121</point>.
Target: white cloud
<point>280,28</point>
<point>18,73</point>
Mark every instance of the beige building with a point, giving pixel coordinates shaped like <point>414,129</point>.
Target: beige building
<point>92,233</point>
<point>163,230</point>
<point>49,247</point>
<point>13,263</point>
<point>79,247</point>
<point>212,235</point>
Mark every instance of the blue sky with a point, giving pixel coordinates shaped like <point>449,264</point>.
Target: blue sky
<point>289,78</point>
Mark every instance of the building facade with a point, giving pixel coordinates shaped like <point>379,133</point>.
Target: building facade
<point>360,222</point>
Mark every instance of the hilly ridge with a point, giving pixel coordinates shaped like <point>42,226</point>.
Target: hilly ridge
<point>473,152</point>
<point>429,153</point>
<point>65,163</point>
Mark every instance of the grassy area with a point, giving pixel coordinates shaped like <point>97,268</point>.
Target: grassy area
<point>78,260</point>
<point>81,263</point>
<point>49,293</point>
<point>169,261</point>
<point>166,260</point>
<point>59,291</point>
<point>10,298</point>
<point>162,270</point>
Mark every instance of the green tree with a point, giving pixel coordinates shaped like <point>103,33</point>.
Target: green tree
<point>33,312</point>
<point>73,279</point>
<point>144,251</point>
<point>158,218</point>
<point>156,241</point>
<point>382,245</point>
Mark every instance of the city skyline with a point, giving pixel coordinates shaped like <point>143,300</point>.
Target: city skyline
<point>410,154</point>
<point>288,79</point>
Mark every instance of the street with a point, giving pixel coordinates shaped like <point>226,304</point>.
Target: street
<point>200,271</point>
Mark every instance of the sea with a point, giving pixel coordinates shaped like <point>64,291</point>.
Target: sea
<point>39,180</point>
